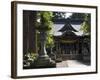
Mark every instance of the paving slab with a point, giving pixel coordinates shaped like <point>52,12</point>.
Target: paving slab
<point>70,63</point>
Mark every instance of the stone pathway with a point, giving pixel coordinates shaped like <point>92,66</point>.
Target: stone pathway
<point>62,64</point>
<point>70,63</point>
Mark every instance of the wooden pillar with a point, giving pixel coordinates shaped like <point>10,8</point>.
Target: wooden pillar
<point>64,49</point>
<point>56,47</point>
<point>29,33</point>
<point>77,48</point>
<point>59,48</point>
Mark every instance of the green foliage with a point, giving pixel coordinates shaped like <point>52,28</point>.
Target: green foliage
<point>50,41</point>
<point>45,20</point>
<point>86,24</point>
<point>30,56</point>
<point>77,16</point>
<point>85,27</point>
<point>46,24</point>
<point>59,15</point>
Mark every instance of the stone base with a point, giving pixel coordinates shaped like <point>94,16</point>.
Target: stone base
<point>43,62</point>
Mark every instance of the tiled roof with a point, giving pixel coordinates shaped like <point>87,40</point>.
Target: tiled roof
<point>67,27</point>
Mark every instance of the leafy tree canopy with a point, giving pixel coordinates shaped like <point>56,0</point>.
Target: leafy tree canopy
<point>86,25</point>
<point>76,16</point>
<point>59,15</point>
<point>46,24</point>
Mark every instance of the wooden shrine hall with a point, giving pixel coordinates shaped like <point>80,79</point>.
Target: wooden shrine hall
<point>72,46</point>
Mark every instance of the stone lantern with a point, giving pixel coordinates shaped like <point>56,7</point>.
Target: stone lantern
<point>43,60</point>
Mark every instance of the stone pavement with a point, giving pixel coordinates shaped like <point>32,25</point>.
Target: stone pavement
<point>62,64</point>
<point>70,63</point>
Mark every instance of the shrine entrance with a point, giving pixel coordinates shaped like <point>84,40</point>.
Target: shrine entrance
<point>69,50</point>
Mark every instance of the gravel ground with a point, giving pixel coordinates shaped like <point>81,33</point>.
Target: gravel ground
<point>70,63</point>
